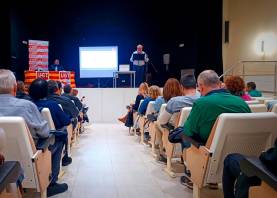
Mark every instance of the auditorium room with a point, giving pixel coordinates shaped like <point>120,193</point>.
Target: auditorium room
<point>138,99</point>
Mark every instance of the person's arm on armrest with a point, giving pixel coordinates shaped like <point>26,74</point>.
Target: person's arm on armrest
<point>164,117</point>
<point>44,143</point>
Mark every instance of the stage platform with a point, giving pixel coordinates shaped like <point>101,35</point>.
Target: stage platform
<point>107,104</point>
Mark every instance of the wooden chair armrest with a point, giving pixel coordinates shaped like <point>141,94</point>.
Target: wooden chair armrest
<point>42,161</point>
<point>69,133</point>
<point>197,162</point>
<point>167,126</point>
<point>262,191</point>
<point>43,144</point>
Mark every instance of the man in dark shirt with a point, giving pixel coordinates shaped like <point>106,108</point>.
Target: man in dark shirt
<point>67,89</point>
<point>38,92</point>
<point>56,66</point>
<point>54,93</point>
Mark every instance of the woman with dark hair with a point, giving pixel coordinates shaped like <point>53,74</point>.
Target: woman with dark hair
<point>236,85</point>
<point>172,88</point>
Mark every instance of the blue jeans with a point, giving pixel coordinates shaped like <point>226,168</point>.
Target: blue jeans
<point>140,73</point>
<point>235,183</point>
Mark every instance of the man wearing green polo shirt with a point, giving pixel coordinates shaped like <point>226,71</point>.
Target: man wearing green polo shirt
<point>214,102</point>
<point>205,110</point>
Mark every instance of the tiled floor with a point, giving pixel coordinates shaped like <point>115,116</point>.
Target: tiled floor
<point>107,162</point>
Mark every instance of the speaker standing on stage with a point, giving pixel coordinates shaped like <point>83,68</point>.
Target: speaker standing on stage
<point>139,59</point>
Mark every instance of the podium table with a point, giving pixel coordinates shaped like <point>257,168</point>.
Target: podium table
<point>65,77</point>
<point>132,75</point>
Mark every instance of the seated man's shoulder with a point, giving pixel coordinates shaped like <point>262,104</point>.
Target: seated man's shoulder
<point>51,102</point>
<point>24,104</point>
<point>176,99</point>
<point>182,99</point>
<point>66,100</point>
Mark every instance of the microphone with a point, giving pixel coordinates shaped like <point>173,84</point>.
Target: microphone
<point>229,69</point>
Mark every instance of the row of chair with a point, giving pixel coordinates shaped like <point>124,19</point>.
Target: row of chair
<point>245,133</point>
<point>35,162</point>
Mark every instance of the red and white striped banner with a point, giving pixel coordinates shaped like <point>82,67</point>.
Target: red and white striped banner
<point>38,55</point>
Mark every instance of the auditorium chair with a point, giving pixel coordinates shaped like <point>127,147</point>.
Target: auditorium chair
<point>274,108</point>
<point>180,119</point>
<point>152,131</point>
<point>264,191</point>
<point>252,166</point>
<point>252,102</point>
<point>73,134</point>
<point>35,162</point>
<point>9,173</point>
<point>45,112</point>
<point>79,124</point>
<point>143,120</point>
<point>246,133</point>
<point>258,108</point>
<point>268,101</point>
<point>262,100</point>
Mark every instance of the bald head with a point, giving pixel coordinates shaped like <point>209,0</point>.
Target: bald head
<point>208,80</point>
<point>139,48</point>
<point>7,82</point>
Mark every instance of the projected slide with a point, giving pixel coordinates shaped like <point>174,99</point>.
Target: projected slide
<point>98,62</point>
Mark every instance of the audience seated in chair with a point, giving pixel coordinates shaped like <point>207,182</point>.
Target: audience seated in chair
<point>2,160</point>
<point>84,106</point>
<point>21,92</point>
<point>252,91</point>
<point>172,88</point>
<point>54,93</point>
<point>128,118</point>
<point>236,183</point>
<point>12,106</point>
<point>68,93</point>
<point>205,110</point>
<point>236,85</point>
<point>38,92</point>
<point>186,98</point>
<point>154,93</point>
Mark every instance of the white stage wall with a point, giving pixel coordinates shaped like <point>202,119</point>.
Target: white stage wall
<point>107,104</point>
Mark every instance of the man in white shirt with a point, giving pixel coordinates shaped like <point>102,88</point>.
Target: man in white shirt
<point>139,59</point>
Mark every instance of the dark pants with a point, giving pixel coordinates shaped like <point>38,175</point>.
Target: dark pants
<point>129,121</point>
<point>235,183</point>
<point>140,73</point>
<point>56,151</point>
